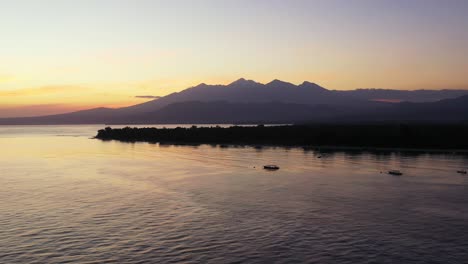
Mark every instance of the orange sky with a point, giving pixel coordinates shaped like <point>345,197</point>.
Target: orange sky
<point>59,56</point>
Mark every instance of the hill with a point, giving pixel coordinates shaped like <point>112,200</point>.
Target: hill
<point>246,101</point>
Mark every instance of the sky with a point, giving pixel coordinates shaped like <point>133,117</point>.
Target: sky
<point>64,55</point>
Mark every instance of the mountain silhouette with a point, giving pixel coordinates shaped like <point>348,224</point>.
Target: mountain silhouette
<point>404,95</point>
<point>244,101</point>
<point>447,110</point>
<point>248,91</point>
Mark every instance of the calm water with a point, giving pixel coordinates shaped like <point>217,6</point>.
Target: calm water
<point>66,198</point>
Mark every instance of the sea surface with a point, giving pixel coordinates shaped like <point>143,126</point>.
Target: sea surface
<point>68,198</point>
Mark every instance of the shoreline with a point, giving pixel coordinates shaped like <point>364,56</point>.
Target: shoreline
<point>303,147</point>
<point>367,138</point>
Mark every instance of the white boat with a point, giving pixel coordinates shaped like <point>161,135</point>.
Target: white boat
<point>271,167</point>
<point>395,172</point>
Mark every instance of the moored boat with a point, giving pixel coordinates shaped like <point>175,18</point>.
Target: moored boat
<point>271,167</point>
<point>395,172</point>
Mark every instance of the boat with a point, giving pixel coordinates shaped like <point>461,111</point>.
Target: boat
<point>395,172</point>
<point>271,167</point>
<point>461,171</point>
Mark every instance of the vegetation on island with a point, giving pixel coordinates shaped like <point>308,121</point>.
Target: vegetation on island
<point>418,136</point>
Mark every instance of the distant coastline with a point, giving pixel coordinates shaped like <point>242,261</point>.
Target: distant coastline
<point>384,137</point>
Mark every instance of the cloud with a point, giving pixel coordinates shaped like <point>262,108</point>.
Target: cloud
<point>147,97</point>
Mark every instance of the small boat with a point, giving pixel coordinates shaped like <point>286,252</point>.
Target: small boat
<point>461,171</point>
<point>271,167</point>
<point>395,172</point>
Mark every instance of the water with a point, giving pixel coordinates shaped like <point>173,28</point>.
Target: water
<point>66,198</point>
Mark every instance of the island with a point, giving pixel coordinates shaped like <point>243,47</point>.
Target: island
<point>407,136</point>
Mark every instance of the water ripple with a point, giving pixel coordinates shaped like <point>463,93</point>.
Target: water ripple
<point>110,202</point>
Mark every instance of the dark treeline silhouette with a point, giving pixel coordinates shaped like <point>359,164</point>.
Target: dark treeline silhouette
<point>419,136</point>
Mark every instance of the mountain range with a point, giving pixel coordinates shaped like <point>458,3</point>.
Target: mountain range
<point>247,101</point>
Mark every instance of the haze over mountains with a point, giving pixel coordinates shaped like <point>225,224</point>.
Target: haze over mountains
<point>246,101</point>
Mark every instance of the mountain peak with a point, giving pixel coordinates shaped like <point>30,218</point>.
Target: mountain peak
<point>311,85</point>
<point>200,85</point>
<point>242,82</point>
<point>277,82</point>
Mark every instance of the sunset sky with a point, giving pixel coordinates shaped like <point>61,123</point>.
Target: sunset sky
<point>63,55</point>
